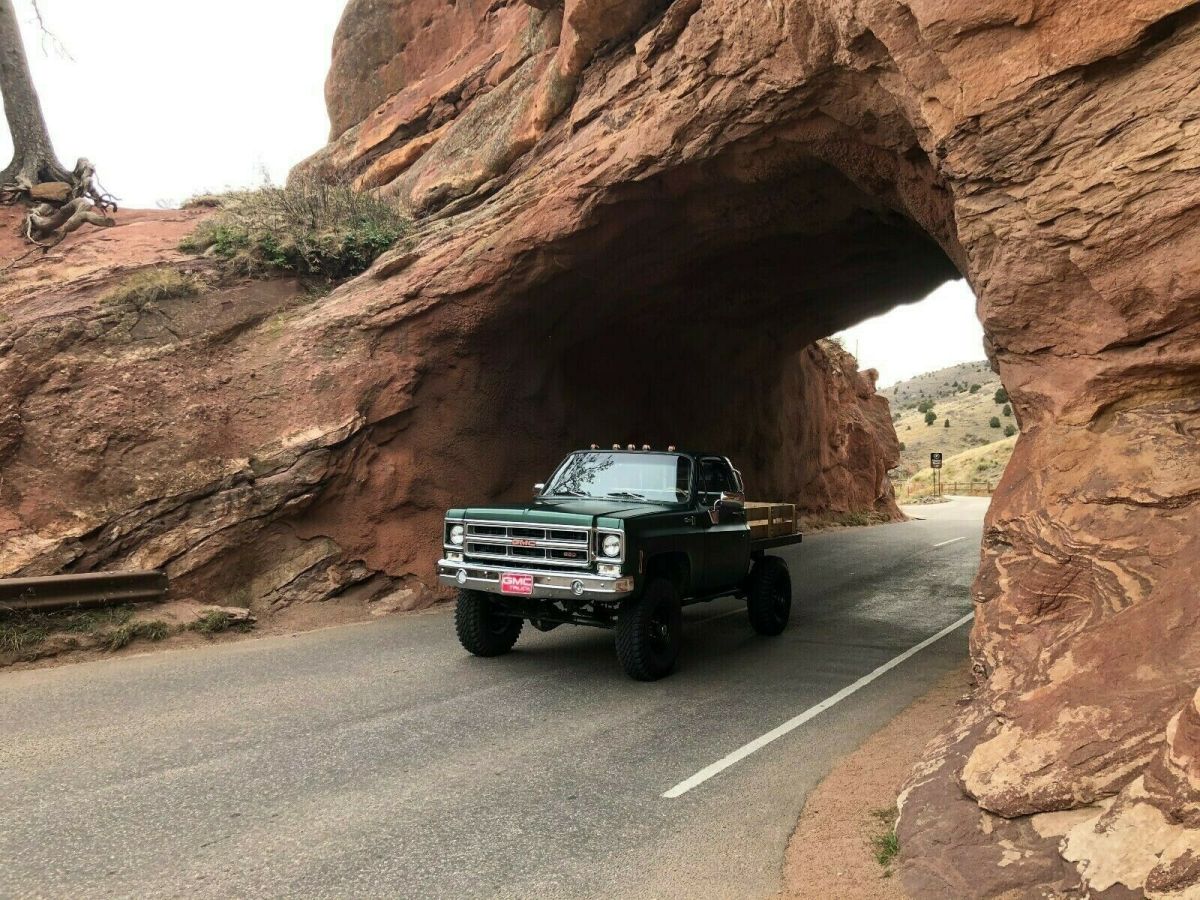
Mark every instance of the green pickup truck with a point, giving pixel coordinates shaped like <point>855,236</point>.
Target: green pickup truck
<point>622,539</point>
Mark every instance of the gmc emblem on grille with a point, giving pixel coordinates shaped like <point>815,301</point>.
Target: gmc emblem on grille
<point>522,542</point>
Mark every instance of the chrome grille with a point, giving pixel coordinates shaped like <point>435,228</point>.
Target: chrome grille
<point>520,543</point>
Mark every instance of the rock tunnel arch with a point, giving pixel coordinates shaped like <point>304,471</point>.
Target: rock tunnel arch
<point>680,312</point>
<point>1041,153</point>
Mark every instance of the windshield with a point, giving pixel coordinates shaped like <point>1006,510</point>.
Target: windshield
<point>655,477</point>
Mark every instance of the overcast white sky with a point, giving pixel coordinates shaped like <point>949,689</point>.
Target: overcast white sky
<point>939,331</point>
<point>171,99</point>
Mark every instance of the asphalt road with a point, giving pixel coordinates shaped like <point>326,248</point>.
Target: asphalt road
<point>381,760</point>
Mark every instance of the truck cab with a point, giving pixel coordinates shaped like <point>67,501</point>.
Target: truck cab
<point>621,539</point>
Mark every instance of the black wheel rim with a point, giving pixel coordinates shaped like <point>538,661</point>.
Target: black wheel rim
<point>658,629</point>
<point>781,600</point>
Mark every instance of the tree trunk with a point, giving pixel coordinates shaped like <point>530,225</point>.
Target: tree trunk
<point>34,159</point>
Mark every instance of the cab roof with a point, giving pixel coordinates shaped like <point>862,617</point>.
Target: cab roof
<point>697,454</point>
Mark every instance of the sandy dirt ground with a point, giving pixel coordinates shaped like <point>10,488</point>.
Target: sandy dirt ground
<point>831,853</point>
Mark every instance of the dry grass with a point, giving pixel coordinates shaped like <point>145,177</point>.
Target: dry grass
<point>217,620</point>
<point>151,285</point>
<point>125,635</point>
<point>984,463</point>
<point>948,390</point>
<point>309,228</point>
<point>109,627</point>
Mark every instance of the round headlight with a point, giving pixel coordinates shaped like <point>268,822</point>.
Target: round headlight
<point>611,545</point>
<point>456,535</point>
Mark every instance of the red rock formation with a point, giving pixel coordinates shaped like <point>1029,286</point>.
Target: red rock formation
<point>634,215</point>
<point>269,462</point>
<point>716,158</point>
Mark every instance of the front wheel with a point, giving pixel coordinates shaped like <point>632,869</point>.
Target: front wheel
<point>769,596</point>
<point>648,631</point>
<point>481,629</point>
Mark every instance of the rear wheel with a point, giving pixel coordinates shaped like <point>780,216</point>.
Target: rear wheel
<point>769,596</point>
<point>648,631</point>
<point>481,629</point>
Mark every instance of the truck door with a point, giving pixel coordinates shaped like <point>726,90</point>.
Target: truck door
<point>727,540</point>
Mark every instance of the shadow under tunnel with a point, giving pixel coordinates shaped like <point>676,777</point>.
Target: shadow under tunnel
<point>685,313</point>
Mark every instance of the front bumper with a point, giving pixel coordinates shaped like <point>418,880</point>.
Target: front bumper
<point>548,585</point>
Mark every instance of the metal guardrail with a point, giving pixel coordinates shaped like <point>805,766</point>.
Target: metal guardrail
<point>969,488</point>
<point>88,589</point>
<point>959,488</point>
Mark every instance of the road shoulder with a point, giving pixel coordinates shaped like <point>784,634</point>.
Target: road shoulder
<point>832,852</point>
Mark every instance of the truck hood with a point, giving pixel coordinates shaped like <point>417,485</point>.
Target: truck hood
<point>560,512</point>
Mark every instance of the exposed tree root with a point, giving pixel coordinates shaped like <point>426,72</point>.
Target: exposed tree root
<point>63,201</point>
<point>47,224</point>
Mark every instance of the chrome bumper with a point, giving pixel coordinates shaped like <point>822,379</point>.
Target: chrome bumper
<point>549,585</point>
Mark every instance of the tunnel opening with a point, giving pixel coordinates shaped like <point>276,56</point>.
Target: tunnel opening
<point>687,310</point>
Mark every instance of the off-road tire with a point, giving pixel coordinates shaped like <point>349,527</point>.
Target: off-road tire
<point>481,630</point>
<point>649,630</point>
<point>769,596</point>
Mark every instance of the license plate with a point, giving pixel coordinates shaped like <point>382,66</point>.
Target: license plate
<point>512,583</point>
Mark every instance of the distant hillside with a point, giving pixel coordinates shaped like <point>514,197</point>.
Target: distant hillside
<point>936,385</point>
<point>949,392</point>
<point>984,463</point>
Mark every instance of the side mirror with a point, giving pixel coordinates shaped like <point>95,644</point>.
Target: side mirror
<point>538,488</point>
<point>732,501</point>
<point>727,502</point>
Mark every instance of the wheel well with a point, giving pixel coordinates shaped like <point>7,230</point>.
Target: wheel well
<point>675,566</point>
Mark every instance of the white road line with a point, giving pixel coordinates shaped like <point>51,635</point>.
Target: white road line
<point>811,713</point>
<point>951,541</point>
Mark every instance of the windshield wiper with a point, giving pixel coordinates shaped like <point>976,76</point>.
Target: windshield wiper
<point>624,495</point>
<point>567,492</point>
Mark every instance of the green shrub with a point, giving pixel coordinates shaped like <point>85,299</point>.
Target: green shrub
<point>975,388</point>
<point>309,228</point>
<point>930,417</point>
<point>886,845</point>
<point>1001,396</point>
<point>994,423</point>
<point>925,406</point>
<point>947,425</point>
<point>150,285</point>
<point>902,447</point>
<point>1007,411</point>
<point>1010,430</point>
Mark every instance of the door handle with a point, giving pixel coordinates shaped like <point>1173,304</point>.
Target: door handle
<point>689,520</point>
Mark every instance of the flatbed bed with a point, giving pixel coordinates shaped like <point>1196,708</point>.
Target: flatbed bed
<point>762,545</point>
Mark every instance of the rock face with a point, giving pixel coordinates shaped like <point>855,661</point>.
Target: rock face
<point>258,443</point>
<point>609,180</point>
<point>634,215</point>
